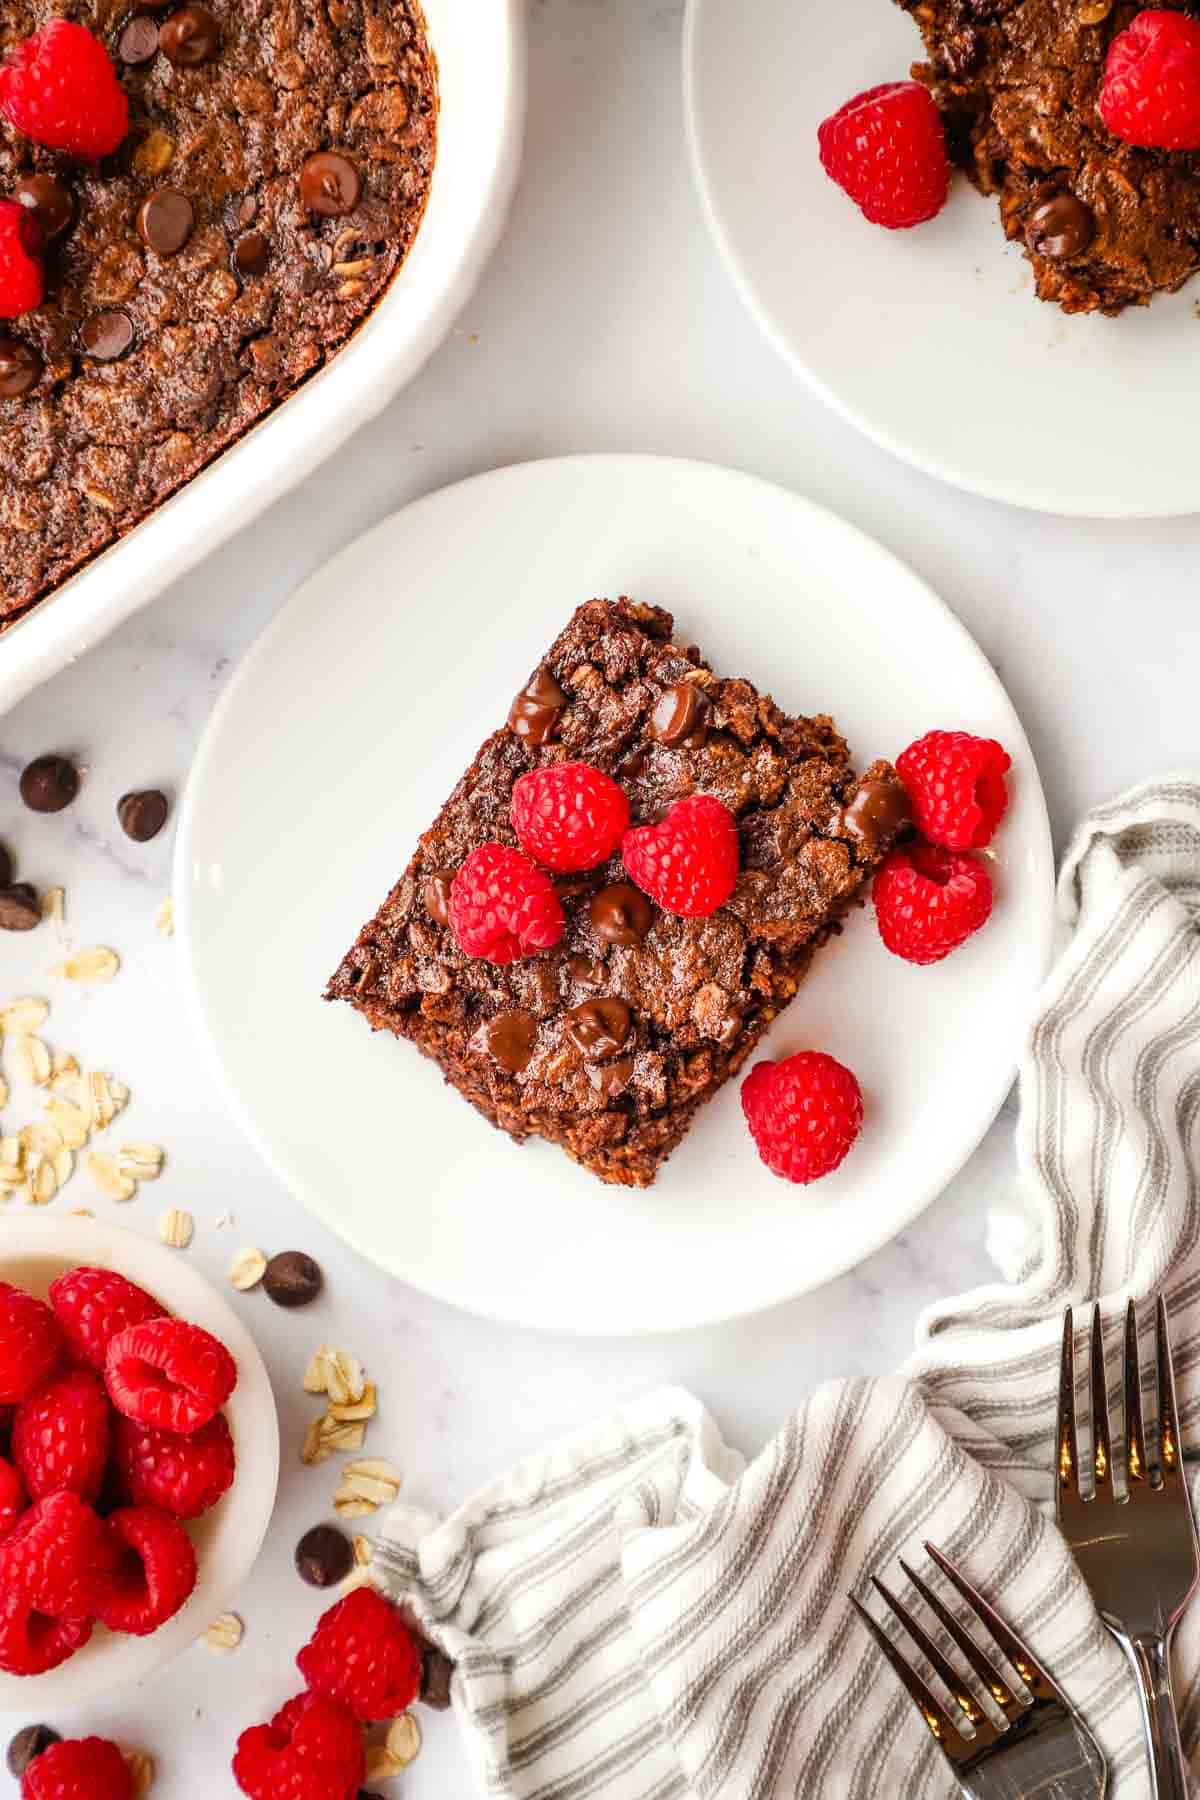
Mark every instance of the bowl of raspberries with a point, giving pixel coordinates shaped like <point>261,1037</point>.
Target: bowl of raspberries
<point>139,1457</point>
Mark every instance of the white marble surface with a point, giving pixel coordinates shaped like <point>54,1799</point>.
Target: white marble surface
<point>604,323</point>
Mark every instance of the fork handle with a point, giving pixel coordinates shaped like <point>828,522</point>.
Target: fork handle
<point>1151,1659</point>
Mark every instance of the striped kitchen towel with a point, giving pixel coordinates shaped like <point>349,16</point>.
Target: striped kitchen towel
<point>636,1616</point>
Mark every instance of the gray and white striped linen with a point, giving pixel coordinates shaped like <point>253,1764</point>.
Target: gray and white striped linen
<point>635,1616</point>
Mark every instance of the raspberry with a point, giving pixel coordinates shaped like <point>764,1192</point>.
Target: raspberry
<point>928,901</point>
<point>58,1557</point>
<point>688,862</point>
<point>804,1113</point>
<point>154,1572</point>
<point>22,275</point>
<point>886,148</point>
<point>12,1497</point>
<point>60,1436</point>
<point>1151,91</point>
<point>501,907</point>
<point>30,1344</point>
<point>183,1476</point>
<point>33,1642</point>
<point>59,87</point>
<point>169,1374</point>
<point>363,1655</point>
<point>311,1750</point>
<point>956,785</point>
<point>78,1769</point>
<point>569,816</point>
<point>93,1305</point>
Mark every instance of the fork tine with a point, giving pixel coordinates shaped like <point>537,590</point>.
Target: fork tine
<point>1067,1489</point>
<point>930,1708</point>
<point>1101,1435</point>
<point>1019,1655</point>
<point>942,1668</point>
<point>991,1677</point>
<point>1168,1417</point>
<point>1135,1436</point>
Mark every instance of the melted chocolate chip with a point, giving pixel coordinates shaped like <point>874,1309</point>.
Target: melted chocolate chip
<point>292,1279</point>
<point>19,909</point>
<point>586,972</point>
<point>49,783</point>
<point>533,715</point>
<point>26,1745</point>
<point>878,812</point>
<point>510,1038</point>
<point>138,43</point>
<point>678,716</point>
<point>631,766</point>
<point>621,913</point>
<point>611,1078</point>
<point>21,368</point>
<point>324,1556</point>
<point>106,335</point>
<point>142,816</point>
<point>1060,227</point>
<point>165,221</point>
<point>436,895</point>
<point>251,254</point>
<point>190,37</point>
<point>49,200</point>
<point>330,185</point>
<point>599,1028</point>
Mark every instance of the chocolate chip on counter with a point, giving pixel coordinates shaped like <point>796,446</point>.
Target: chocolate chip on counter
<point>190,37</point>
<point>324,1556</point>
<point>251,254</point>
<point>436,895</point>
<point>679,715</point>
<point>142,815</point>
<point>49,783</point>
<point>330,185</point>
<point>599,1028</point>
<point>19,908</point>
<point>49,199</point>
<point>533,715</point>
<point>165,221</point>
<point>138,43</point>
<point>621,913</point>
<point>26,1745</point>
<point>292,1279</point>
<point>1061,226</point>
<point>106,335</point>
<point>436,1671</point>
<point>20,367</point>
<point>6,867</point>
<point>510,1038</point>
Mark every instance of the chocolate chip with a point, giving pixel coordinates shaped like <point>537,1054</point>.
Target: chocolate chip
<point>165,221</point>
<point>586,972</point>
<point>106,335</point>
<point>138,43</point>
<point>599,1028</point>
<point>26,1745</point>
<point>330,184</point>
<point>1061,226</point>
<point>143,815</point>
<point>49,783</point>
<point>510,1038</point>
<point>49,200</point>
<point>611,1078</point>
<point>436,1671</point>
<point>190,36</point>
<point>19,909</point>
<point>621,913</point>
<point>292,1279</point>
<point>251,254</point>
<point>877,815</point>
<point>20,367</point>
<point>533,715</point>
<point>6,867</point>
<point>678,716</point>
<point>324,1556</point>
<point>633,764</point>
<point>436,895</point>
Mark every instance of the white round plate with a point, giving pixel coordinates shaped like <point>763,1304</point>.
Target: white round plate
<point>931,341</point>
<point>33,1251</point>
<point>337,741</point>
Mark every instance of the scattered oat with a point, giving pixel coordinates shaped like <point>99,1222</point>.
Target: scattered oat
<point>315,1377</point>
<point>225,1632</point>
<point>403,1740</point>
<point>82,1212</point>
<point>337,1436</point>
<point>314,1449</point>
<point>10,1152</point>
<point>345,1382</point>
<point>64,1165</point>
<point>11,1179</point>
<point>141,1162</point>
<point>95,964</point>
<point>141,1772</point>
<point>176,1228</point>
<point>54,905</point>
<point>102,1099</point>
<point>365,1486</point>
<point>246,1269</point>
<point>363,1409</point>
<point>21,1016</point>
<point>364,1550</point>
<point>164,918</point>
<point>71,1121</point>
<point>43,1182</point>
<point>33,1060</point>
<point>381,1764</point>
<point>64,1072</point>
<point>46,1140</point>
<point>107,1176</point>
<point>3,1091</point>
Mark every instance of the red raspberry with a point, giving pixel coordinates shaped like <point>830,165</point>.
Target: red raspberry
<point>12,1497</point>
<point>928,901</point>
<point>59,87</point>
<point>93,1305</point>
<point>30,1344</point>
<point>502,908</point>
<point>33,1642</point>
<point>1151,92</point>
<point>155,1570</point>
<point>60,1436</point>
<point>311,1750</point>
<point>363,1655</point>
<point>804,1113</point>
<point>887,150</point>
<point>58,1557</point>
<point>569,816</point>
<point>688,862</point>
<point>182,1475</point>
<point>169,1374</point>
<point>78,1769</point>
<point>22,274</point>
<point>956,785</point>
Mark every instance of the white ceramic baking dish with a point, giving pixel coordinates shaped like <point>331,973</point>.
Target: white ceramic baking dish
<point>481,54</point>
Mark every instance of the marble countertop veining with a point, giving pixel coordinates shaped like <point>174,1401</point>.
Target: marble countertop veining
<point>604,323</point>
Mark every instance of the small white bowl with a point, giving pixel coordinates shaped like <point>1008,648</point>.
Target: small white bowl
<point>33,1251</point>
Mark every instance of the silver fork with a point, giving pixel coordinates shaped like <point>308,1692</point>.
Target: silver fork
<point>1137,1551</point>
<point>1042,1747</point>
